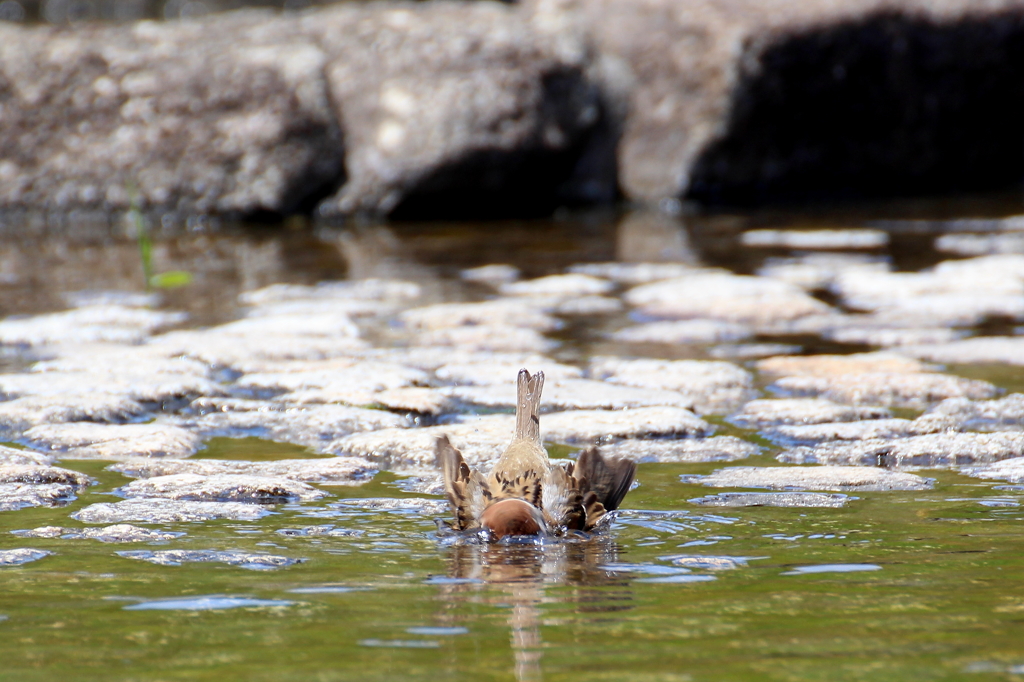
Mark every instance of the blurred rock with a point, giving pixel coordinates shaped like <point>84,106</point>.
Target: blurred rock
<point>330,471</point>
<point>747,101</point>
<point>774,500</point>
<point>837,478</point>
<point>227,113</point>
<point>222,488</point>
<point>168,511</point>
<point>931,450</point>
<point>177,557</point>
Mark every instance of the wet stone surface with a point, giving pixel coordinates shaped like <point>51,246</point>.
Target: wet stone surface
<point>17,557</point>
<point>221,488</point>
<point>930,450</point>
<point>177,557</point>
<point>123,532</point>
<point>838,478</point>
<point>786,499</point>
<point>167,511</point>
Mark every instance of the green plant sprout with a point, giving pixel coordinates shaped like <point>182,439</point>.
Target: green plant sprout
<point>161,280</point>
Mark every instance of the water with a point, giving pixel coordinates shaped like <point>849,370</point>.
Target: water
<point>882,586</point>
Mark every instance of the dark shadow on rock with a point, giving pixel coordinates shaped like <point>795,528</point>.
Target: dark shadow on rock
<point>882,107</point>
<point>528,181</point>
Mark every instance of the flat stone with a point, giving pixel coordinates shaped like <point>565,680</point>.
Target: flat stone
<point>101,323</point>
<point>364,376</point>
<point>637,273</point>
<point>177,557</point>
<point>323,471</point>
<point>375,289</point>
<point>572,284</point>
<point>816,271</point>
<point>980,244</point>
<point>572,394</point>
<point>481,440</point>
<point>700,562</point>
<point>222,488</point>
<point>498,312</point>
<point>712,387</point>
<point>889,336</point>
<point>603,426</point>
<point>885,429</point>
<point>582,306</point>
<point>929,450</point>
<point>237,352</point>
<point>493,275</point>
<point>1006,413</point>
<point>825,240</point>
<point>430,401</point>
<point>21,414</point>
<point>830,365</point>
<point>499,338</point>
<point>683,332</point>
<point>787,499</point>
<point>838,478</point>
<point>37,475</point>
<point>758,414</point>
<point>325,530</point>
<point>757,301</point>
<point>22,555</point>
<point>891,389</point>
<point>323,324</point>
<point>748,351</point>
<point>117,359</point>
<point>16,456</point>
<point>168,511</point>
<point>139,387</point>
<point>14,496</point>
<point>85,440</point>
<point>123,532</point>
<point>1007,350</point>
<point>311,425</point>
<point>417,505</point>
<point>501,370</point>
<point>1011,470</point>
<point>718,449</point>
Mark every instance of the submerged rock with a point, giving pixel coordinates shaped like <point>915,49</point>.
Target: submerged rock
<point>1011,470</point>
<point>123,532</point>
<point>1007,350</point>
<point>84,440</point>
<point>886,429</point>
<point>718,449</point>
<point>330,471</point>
<point>177,557</point>
<point>713,387</point>
<point>839,478</point>
<point>222,488</point>
<point>21,414</point>
<point>763,413</point>
<point>757,301</point>
<point>683,332</point>
<point>891,389</point>
<point>604,426</point>
<point>572,394</point>
<point>15,496</point>
<point>168,511</point>
<point>929,450</point>
<point>787,499</point>
<point>22,555</point>
<point>700,562</point>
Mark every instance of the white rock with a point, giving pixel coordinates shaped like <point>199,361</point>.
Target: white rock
<point>84,440</point>
<point>138,387</point>
<point>500,371</point>
<point>573,284</point>
<point>123,532</point>
<point>830,365</point>
<point>890,389</point>
<point>222,488</point>
<point>745,351</point>
<point>837,478</point>
<point>15,496</point>
<point>100,323</point>
<point>603,426</point>
<point>380,290</point>
<point>637,273</point>
<point>683,332</point>
<point>789,499</point>
<point>819,270</point>
<point>168,511</point>
<point>1006,413</point>
<point>712,387</point>
<point>331,325</point>
<point>572,394</point>
<point>493,275</point>
<point>825,240</point>
<point>930,450</point>
<point>21,555</point>
<point>761,413</point>
<point>1011,470</point>
<point>793,434</point>
<point>21,414</point>
<point>361,376</point>
<point>690,450</point>
<point>980,244</point>
<point>324,471</point>
<point>237,352</point>
<point>500,338</point>
<point>1007,350</point>
<point>736,298</point>
<point>176,557</point>
<point>15,456</point>
<point>499,312</point>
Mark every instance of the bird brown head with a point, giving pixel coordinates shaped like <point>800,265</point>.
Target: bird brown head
<point>511,517</point>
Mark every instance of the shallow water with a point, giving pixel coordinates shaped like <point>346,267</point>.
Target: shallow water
<point>924,585</point>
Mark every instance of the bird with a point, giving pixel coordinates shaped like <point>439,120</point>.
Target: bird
<point>526,493</point>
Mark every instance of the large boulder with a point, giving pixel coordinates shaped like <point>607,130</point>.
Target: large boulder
<point>225,114</point>
<point>747,100</point>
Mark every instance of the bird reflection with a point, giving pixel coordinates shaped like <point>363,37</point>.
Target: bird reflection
<point>517,574</point>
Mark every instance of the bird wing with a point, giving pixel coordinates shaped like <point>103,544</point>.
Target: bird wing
<point>604,481</point>
<point>562,499</point>
<point>466,490</point>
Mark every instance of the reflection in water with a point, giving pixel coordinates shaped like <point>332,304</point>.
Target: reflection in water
<point>522,572</point>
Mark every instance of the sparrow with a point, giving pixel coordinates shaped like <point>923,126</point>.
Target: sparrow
<point>525,493</point>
